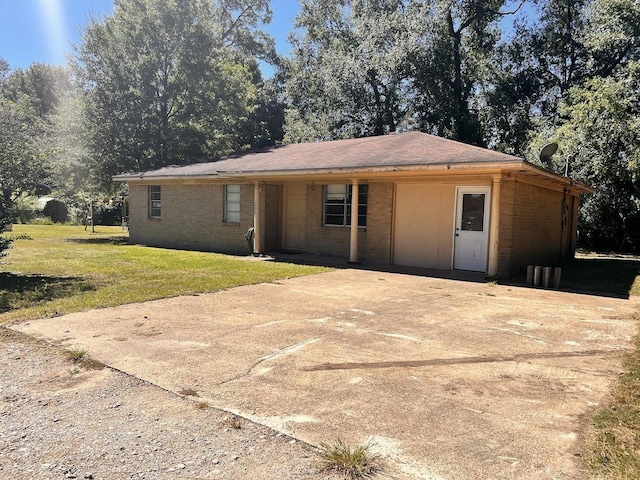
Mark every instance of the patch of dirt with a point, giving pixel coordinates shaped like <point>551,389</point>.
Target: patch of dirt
<point>61,419</point>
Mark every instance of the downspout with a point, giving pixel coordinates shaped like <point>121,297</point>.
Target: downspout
<point>563,225</point>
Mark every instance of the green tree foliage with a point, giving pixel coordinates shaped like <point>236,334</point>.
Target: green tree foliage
<point>534,69</point>
<point>172,82</point>
<point>21,160</point>
<point>592,112</point>
<point>568,43</point>
<point>43,84</point>
<point>53,99</point>
<point>612,35</point>
<point>600,139</point>
<point>452,69</point>
<point>347,76</point>
<point>69,158</point>
<point>364,68</point>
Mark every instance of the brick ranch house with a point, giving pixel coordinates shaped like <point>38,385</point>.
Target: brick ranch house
<point>421,201</point>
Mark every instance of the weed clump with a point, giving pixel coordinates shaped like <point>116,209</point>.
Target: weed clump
<point>353,461</point>
<point>75,354</point>
<point>188,392</point>
<point>81,356</point>
<point>235,422</point>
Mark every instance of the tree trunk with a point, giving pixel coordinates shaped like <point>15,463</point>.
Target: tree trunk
<point>460,107</point>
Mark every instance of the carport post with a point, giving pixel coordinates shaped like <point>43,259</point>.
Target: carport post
<point>353,245</point>
<point>257,230</point>
<point>494,227</point>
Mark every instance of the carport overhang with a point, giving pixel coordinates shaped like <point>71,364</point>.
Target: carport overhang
<point>522,169</point>
<point>519,170</point>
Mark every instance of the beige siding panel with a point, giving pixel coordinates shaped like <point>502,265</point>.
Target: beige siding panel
<point>271,215</point>
<point>295,215</point>
<point>424,216</point>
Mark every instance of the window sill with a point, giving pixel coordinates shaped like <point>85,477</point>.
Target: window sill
<point>343,226</point>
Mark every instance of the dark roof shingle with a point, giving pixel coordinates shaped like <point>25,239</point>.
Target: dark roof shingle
<point>399,150</point>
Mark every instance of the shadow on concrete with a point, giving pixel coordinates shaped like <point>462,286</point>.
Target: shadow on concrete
<point>459,361</point>
<point>610,276</point>
<point>340,262</point>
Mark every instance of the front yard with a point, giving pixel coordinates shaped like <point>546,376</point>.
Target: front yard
<point>54,269</point>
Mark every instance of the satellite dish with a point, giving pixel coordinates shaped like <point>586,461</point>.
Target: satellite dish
<point>42,189</point>
<point>547,152</point>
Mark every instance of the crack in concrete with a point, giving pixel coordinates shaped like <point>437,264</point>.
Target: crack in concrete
<point>278,353</point>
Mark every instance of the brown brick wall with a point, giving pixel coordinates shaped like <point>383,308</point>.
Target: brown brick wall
<point>321,240</point>
<point>192,218</point>
<point>379,221</point>
<point>530,227</point>
<point>505,245</point>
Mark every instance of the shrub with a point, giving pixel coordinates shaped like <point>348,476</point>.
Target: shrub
<point>107,214</point>
<point>56,211</point>
<point>5,244</point>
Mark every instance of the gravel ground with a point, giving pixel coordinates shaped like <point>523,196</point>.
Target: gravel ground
<point>60,419</point>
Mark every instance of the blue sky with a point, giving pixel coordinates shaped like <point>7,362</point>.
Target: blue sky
<point>43,30</point>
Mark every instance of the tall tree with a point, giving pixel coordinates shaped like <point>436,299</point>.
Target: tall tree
<point>564,45</point>
<point>612,35</point>
<point>600,139</point>
<point>370,67</point>
<point>170,82</point>
<point>43,84</point>
<point>597,125</point>
<point>347,74</point>
<point>68,158</point>
<point>21,159</point>
<point>451,71</point>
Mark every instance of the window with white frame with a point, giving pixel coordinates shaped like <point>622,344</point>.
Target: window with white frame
<point>337,205</point>
<point>155,201</point>
<point>232,203</point>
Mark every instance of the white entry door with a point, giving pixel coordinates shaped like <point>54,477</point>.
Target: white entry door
<point>471,239</point>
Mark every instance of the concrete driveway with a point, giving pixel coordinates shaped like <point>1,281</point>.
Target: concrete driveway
<point>449,379</point>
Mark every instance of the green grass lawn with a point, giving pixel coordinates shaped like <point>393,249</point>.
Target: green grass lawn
<point>56,269</point>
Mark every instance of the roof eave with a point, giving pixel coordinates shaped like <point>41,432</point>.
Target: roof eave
<point>325,171</point>
<point>513,165</point>
<point>565,181</point>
